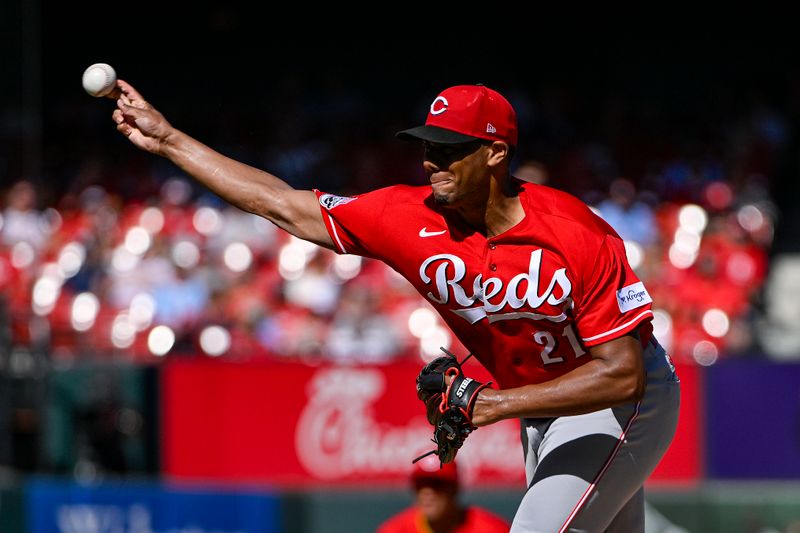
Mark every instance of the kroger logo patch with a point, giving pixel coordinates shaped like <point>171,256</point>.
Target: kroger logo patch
<point>632,296</point>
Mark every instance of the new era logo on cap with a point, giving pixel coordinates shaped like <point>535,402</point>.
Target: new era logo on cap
<point>464,113</point>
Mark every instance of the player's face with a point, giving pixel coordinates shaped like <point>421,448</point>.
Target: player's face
<point>435,499</point>
<point>457,172</point>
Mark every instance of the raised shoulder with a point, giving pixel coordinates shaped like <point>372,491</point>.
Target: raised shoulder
<point>566,207</point>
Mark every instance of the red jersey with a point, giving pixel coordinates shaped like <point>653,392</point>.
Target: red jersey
<point>528,302</point>
<point>476,520</point>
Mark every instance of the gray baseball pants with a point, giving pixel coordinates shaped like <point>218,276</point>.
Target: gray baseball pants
<point>586,473</point>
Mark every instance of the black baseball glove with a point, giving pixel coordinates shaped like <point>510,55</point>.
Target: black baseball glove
<point>448,407</point>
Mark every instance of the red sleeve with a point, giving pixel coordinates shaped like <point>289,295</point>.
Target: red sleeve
<point>614,301</point>
<point>354,222</point>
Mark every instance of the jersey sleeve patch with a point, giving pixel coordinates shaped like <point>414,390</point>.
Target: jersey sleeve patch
<point>632,296</point>
<point>329,201</point>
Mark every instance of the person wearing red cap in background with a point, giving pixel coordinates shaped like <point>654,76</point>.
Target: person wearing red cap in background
<point>437,508</point>
<point>529,278</point>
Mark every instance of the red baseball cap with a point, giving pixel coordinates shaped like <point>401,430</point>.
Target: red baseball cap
<point>429,468</point>
<point>464,113</point>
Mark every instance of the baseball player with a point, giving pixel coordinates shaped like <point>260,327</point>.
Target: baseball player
<point>532,282</point>
<point>437,507</point>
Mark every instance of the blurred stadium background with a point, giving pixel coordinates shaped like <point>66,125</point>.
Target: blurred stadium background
<point>168,363</point>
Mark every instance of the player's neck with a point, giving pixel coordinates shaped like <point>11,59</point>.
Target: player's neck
<point>499,211</point>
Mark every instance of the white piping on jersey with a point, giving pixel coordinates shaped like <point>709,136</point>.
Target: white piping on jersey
<point>336,235</point>
<point>475,314</point>
<point>594,483</point>
<point>623,326</point>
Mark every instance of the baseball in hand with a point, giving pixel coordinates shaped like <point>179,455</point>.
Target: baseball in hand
<point>99,79</point>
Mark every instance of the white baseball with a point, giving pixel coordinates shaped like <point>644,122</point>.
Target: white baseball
<point>99,79</point>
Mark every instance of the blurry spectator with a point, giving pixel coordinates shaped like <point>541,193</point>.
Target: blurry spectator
<point>132,274</point>
<point>359,332</point>
<point>181,301</point>
<point>532,171</point>
<point>632,218</point>
<point>778,330</point>
<point>315,289</point>
<point>437,508</point>
<point>22,221</point>
<point>296,332</point>
<point>211,264</point>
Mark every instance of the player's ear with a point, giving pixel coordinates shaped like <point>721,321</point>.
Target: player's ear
<point>499,152</point>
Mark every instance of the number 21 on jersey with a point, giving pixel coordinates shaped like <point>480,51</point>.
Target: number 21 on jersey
<point>549,343</point>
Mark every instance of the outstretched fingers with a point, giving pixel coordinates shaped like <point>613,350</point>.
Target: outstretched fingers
<point>127,90</point>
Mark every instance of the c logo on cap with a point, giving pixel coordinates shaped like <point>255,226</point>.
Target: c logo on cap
<point>439,110</point>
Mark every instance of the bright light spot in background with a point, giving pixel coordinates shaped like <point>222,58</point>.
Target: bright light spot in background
<point>740,268</point>
<point>719,195</point>
<point>432,343</point>
<point>662,328</point>
<point>152,219</point>
<point>421,321</point>
<point>750,217</point>
<point>71,258</point>
<point>262,225</point>
<point>215,340</point>
<point>185,254</point>
<point>22,255</point>
<point>85,307</point>
<point>141,311</point>
<point>346,266</point>
<point>161,340</point>
<point>176,191</point>
<point>716,322</point>
<point>238,257</point>
<point>685,247</point>
<point>309,248</point>
<point>292,261</point>
<point>679,258</point>
<point>123,332</point>
<point>693,218</point>
<point>687,241</point>
<point>705,353</point>
<point>51,220</point>
<point>137,240</point>
<point>122,260</point>
<point>207,221</point>
<point>635,253</point>
<point>46,291</point>
<point>51,270</point>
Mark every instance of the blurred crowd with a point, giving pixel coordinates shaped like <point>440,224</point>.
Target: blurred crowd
<point>95,276</point>
<point>112,254</point>
<point>181,273</point>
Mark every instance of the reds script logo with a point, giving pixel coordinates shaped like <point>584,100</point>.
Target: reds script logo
<point>447,272</point>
